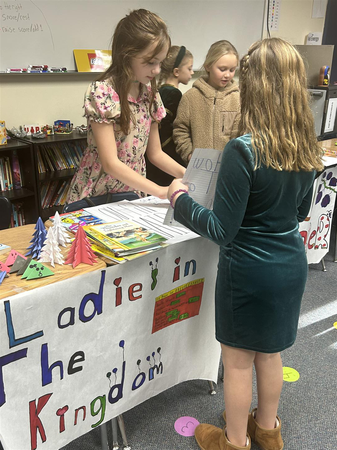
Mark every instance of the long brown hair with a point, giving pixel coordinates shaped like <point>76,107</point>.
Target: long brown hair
<point>275,107</point>
<point>133,34</point>
<point>167,66</point>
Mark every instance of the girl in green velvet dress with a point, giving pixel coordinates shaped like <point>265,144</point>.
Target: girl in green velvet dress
<point>176,68</point>
<point>264,190</point>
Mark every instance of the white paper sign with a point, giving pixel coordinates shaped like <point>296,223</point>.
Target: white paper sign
<point>330,115</point>
<point>201,176</point>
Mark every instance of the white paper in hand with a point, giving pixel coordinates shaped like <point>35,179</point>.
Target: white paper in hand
<point>200,178</point>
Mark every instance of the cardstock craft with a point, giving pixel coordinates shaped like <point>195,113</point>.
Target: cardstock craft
<point>36,270</point>
<point>12,257</point>
<point>4,267</point>
<point>80,250</point>
<point>39,237</point>
<point>2,276</point>
<point>24,266</point>
<point>18,263</point>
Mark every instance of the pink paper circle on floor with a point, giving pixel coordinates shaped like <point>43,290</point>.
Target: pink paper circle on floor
<point>186,425</point>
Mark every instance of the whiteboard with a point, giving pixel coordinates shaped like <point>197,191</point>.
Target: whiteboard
<point>47,31</point>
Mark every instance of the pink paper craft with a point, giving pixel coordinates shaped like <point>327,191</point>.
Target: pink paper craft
<point>3,267</point>
<point>12,257</point>
<point>80,250</point>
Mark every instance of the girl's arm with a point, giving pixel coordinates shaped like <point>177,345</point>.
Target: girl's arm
<point>159,158</point>
<point>107,151</point>
<point>182,136</point>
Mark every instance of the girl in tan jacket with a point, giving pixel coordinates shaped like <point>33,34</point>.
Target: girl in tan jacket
<point>208,114</point>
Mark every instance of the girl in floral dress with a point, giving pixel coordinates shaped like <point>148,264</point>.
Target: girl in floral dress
<point>123,110</point>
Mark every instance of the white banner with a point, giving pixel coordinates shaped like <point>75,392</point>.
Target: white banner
<point>77,353</point>
<point>316,229</point>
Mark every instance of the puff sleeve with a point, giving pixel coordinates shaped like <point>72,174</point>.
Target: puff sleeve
<point>101,103</point>
<point>158,109</point>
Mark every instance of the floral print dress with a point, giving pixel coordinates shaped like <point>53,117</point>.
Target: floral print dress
<point>101,104</point>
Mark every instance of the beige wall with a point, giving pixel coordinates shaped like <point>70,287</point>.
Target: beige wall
<point>44,99</point>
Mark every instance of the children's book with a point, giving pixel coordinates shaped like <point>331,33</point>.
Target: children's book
<point>72,220</point>
<point>127,237</point>
<point>16,171</point>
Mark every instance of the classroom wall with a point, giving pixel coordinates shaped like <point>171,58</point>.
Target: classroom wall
<point>44,100</point>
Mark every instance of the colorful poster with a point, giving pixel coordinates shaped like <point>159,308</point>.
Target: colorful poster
<point>316,229</point>
<point>78,353</point>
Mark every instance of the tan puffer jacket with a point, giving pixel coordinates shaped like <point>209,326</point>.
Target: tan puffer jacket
<point>206,117</point>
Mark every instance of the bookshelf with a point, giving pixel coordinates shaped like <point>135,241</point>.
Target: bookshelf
<point>56,158</point>
<point>47,166</point>
<point>23,198</point>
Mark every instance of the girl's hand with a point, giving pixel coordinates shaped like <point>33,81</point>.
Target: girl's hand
<point>175,186</point>
<point>162,192</point>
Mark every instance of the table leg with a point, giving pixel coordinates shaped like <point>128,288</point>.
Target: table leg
<point>123,433</point>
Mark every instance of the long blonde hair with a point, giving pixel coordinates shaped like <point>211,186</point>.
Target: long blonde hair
<point>275,107</point>
<point>133,34</point>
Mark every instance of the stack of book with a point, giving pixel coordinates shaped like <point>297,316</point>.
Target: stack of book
<point>118,241</point>
<point>124,238</point>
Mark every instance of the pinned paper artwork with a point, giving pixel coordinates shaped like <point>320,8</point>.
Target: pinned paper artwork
<point>39,236</point>
<point>18,263</point>
<point>12,257</point>
<point>51,251</point>
<point>36,270</point>
<point>80,250</point>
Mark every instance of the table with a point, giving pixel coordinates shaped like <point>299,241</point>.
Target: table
<point>18,239</point>
<point>80,350</point>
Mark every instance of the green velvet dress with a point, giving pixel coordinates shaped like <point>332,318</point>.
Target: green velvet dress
<point>262,267</point>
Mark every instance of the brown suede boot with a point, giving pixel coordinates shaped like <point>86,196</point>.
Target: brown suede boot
<point>265,439</point>
<point>210,437</point>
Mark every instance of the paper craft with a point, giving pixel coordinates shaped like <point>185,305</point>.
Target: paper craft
<point>39,237</point>
<point>50,251</point>
<point>200,177</point>
<point>2,276</point>
<point>60,234</point>
<point>24,266</point>
<point>12,257</point>
<point>80,250</point>
<point>18,263</point>
<point>36,270</point>
<point>4,267</point>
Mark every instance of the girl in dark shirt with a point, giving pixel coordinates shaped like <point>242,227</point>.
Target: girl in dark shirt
<point>176,68</point>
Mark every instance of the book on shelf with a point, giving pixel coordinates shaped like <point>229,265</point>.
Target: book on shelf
<point>16,171</point>
<point>125,237</point>
<point>72,220</point>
